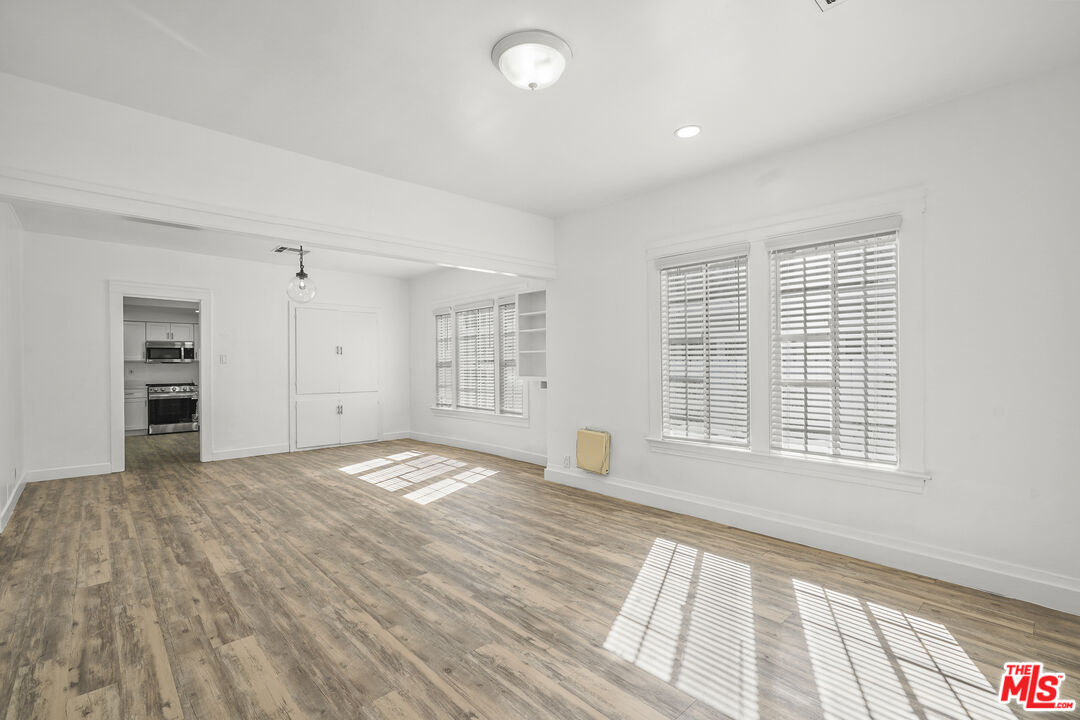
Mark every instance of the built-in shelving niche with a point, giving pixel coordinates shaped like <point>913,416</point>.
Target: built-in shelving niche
<point>532,335</point>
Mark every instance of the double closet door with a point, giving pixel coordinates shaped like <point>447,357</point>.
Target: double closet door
<point>337,382</point>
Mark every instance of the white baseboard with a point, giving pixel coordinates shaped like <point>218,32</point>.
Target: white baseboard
<point>249,452</point>
<point>501,451</point>
<point>72,471</point>
<point>5,515</point>
<point>399,435</point>
<point>1052,590</point>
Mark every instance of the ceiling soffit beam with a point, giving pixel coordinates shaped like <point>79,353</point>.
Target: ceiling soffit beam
<point>38,187</point>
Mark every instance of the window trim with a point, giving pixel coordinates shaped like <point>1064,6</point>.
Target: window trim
<point>494,302</point>
<point>804,228</point>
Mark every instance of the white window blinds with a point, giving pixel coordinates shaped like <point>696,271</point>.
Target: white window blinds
<point>444,361</point>
<point>834,349</point>
<point>510,387</point>
<point>476,358</point>
<point>704,351</point>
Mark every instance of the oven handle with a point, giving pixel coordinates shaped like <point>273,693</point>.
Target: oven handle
<point>172,396</point>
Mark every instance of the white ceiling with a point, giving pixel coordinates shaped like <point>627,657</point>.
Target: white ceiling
<point>103,227</point>
<point>406,88</point>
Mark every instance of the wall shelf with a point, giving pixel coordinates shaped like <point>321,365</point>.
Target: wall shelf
<point>532,335</point>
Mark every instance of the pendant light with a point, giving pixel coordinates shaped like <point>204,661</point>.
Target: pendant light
<point>531,59</point>
<point>301,288</point>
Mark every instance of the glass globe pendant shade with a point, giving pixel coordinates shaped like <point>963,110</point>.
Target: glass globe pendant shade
<point>531,59</point>
<point>301,288</point>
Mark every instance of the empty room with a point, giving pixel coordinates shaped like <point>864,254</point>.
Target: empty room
<point>525,360</point>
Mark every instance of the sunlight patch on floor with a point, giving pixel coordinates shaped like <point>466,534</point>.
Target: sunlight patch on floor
<point>407,469</point>
<point>688,620</point>
<point>870,661</point>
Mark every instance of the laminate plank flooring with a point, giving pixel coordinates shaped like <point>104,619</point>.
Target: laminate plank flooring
<point>291,586</point>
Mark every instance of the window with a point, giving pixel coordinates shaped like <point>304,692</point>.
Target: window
<point>511,391</point>
<point>476,358</point>
<point>444,362</point>
<point>834,349</point>
<point>704,351</point>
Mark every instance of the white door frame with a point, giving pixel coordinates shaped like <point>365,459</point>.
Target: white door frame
<point>118,290</point>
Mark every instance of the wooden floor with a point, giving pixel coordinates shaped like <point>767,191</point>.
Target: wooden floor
<point>283,587</point>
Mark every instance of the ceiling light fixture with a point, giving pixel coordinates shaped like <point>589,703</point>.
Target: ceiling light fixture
<point>301,288</point>
<point>687,131</point>
<point>531,59</point>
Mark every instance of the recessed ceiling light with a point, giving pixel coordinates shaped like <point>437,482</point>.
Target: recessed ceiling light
<point>531,59</point>
<point>687,131</point>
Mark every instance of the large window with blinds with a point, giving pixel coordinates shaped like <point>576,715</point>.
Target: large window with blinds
<point>834,358</point>
<point>704,351</point>
<point>781,347</point>
<point>476,358</point>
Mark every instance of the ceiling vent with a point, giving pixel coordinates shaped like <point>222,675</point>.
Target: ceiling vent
<point>826,4</point>
<point>161,223</point>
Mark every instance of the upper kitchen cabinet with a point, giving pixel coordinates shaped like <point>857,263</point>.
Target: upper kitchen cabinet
<point>181,332</point>
<point>134,341</point>
<point>336,351</point>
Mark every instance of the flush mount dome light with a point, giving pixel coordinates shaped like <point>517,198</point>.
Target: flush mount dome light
<point>531,59</point>
<point>687,131</point>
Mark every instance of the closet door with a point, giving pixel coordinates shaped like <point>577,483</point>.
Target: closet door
<point>317,422</point>
<point>359,417</point>
<point>359,339</point>
<point>317,357</point>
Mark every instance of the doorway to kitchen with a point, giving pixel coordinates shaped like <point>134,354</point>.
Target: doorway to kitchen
<point>159,384</point>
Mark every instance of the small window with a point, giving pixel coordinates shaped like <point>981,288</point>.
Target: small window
<point>444,361</point>
<point>704,351</point>
<point>834,349</point>
<point>511,400</point>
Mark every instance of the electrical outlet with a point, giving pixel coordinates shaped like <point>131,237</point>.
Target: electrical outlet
<point>566,461</point>
<point>223,359</point>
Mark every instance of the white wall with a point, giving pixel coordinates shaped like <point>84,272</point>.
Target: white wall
<point>487,434</point>
<point>67,304</point>
<point>1002,175</point>
<point>11,381</point>
<point>63,147</point>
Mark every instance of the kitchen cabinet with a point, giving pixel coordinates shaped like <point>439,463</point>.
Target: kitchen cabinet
<point>134,341</point>
<point>184,332</point>
<point>135,410</point>
<point>337,419</point>
<point>336,351</point>
<point>180,332</point>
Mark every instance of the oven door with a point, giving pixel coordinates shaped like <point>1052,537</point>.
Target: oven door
<point>172,412</point>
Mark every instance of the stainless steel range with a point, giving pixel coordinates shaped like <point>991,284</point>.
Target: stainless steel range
<point>172,407</point>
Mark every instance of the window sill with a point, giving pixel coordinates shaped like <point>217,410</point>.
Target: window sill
<point>902,480</point>
<point>480,416</point>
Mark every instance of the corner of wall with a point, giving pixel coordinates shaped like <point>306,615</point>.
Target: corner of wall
<point>12,470</point>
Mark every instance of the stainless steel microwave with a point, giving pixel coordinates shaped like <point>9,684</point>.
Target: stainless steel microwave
<point>158,351</point>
